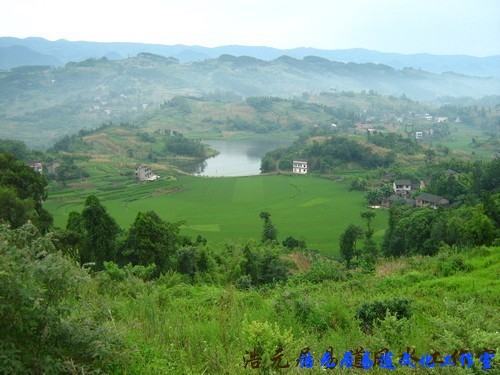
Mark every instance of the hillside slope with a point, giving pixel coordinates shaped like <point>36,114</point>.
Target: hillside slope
<point>43,100</point>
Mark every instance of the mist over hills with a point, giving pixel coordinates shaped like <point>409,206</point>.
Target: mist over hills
<point>41,103</point>
<point>58,53</point>
<point>159,78</point>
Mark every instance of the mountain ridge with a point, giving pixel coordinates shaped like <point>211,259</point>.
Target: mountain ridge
<point>67,51</point>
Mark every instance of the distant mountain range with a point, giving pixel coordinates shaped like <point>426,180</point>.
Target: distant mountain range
<point>42,103</point>
<point>15,52</point>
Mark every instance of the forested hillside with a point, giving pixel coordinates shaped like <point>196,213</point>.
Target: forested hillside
<point>50,101</point>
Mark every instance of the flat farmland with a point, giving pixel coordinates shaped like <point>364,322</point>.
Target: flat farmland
<point>314,209</point>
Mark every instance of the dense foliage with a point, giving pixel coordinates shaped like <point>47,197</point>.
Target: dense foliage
<point>326,155</point>
<point>176,144</point>
<point>51,318</point>
<point>60,318</point>
<point>22,191</point>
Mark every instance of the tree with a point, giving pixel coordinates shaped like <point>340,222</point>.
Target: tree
<point>416,229</point>
<point>490,178</point>
<point>203,261</point>
<point>26,182</point>
<point>251,264</point>
<point>185,261</point>
<point>359,184</point>
<point>269,231</point>
<point>100,232</point>
<point>272,269</point>
<point>150,240</point>
<point>470,226</point>
<point>29,189</point>
<point>348,242</point>
<point>293,243</point>
<point>14,210</point>
<point>394,236</point>
<point>430,155</point>
<point>75,223</point>
<point>267,164</point>
<point>492,207</point>
<point>369,245</point>
<point>373,197</point>
<point>48,309</point>
<point>368,217</point>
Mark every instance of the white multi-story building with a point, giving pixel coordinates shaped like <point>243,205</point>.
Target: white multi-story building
<point>144,173</point>
<point>300,166</point>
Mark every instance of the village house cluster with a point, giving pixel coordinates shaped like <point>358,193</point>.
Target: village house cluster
<point>405,190</point>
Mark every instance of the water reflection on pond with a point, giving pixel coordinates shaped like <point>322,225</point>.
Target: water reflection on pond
<point>235,158</point>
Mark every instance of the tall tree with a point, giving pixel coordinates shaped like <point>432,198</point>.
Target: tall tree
<point>348,243</point>
<point>269,231</point>
<point>100,233</point>
<point>150,240</point>
<point>369,245</point>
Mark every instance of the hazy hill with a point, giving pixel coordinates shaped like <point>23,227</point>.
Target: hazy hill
<point>39,104</point>
<point>14,56</point>
<point>66,51</point>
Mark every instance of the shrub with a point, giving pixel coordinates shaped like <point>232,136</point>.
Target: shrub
<point>450,264</point>
<point>369,314</point>
<point>265,339</point>
<point>49,322</point>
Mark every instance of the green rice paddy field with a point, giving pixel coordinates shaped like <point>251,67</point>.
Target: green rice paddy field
<point>314,209</point>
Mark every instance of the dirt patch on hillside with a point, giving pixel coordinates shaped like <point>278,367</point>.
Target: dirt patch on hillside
<point>302,261</point>
<point>390,267</point>
<point>101,138</point>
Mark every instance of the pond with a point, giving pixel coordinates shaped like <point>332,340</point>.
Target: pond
<point>236,157</point>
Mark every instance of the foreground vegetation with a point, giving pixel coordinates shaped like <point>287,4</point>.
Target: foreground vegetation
<point>60,317</point>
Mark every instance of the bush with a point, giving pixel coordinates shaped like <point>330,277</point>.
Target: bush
<point>450,264</point>
<point>369,314</point>
<point>265,338</point>
<point>49,322</point>
<point>323,269</point>
<point>293,243</point>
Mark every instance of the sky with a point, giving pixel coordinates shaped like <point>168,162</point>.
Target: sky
<point>448,27</point>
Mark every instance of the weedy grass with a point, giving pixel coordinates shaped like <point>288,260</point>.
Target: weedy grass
<point>182,328</point>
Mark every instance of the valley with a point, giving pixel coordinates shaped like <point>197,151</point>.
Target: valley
<point>151,221</point>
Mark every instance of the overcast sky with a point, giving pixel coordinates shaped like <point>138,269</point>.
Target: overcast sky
<point>469,27</point>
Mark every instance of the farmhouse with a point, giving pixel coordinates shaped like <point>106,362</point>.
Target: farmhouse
<point>37,166</point>
<point>299,166</point>
<point>144,173</point>
<point>401,187</point>
<point>431,200</point>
